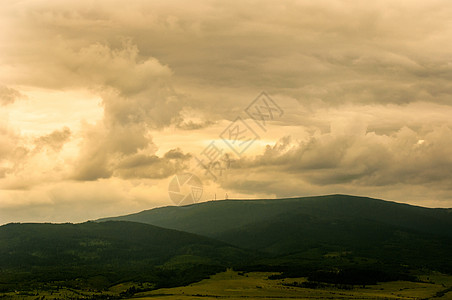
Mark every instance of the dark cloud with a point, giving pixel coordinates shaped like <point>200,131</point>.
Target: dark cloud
<point>9,95</point>
<point>367,159</point>
<point>104,144</point>
<point>12,153</point>
<point>54,141</point>
<point>124,150</point>
<point>191,125</point>
<point>152,166</point>
<point>385,52</point>
<point>8,140</point>
<point>365,88</point>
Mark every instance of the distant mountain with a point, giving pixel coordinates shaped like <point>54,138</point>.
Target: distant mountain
<point>312,227</point>
<point>115,251</point>
<point>337,239</point>
<point>217,218</point>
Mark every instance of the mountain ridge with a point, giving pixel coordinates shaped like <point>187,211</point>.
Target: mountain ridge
<point>367,240</point>
<point>335,205</point>
<point>299,229</point>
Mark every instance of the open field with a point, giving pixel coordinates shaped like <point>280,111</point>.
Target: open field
<point>256,285</point>
<point>232,285</point>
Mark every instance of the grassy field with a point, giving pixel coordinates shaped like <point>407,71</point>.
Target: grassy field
<point>233,285</point>
<point>256,285</point>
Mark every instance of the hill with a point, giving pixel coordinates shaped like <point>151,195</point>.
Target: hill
<point>100,254</point>
<point>336,240</point>
<point>331,231</point>
<point>218,219</point>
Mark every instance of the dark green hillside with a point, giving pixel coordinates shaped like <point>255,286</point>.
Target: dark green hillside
<point>306,231</point>
<point>115,251</point>
<point>335,239</point>
<point>215,217</point>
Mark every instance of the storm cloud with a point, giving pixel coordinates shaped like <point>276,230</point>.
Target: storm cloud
<point>101,94</point>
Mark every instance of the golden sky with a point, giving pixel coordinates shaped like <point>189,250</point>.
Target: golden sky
<point>103,102</point>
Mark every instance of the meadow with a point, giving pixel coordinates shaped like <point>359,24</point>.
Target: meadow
<point>257,285</point>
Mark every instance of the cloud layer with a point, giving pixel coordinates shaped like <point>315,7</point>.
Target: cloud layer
<point>365,88</point>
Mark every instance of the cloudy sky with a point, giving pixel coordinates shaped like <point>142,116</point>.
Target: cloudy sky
<point>103,102</point>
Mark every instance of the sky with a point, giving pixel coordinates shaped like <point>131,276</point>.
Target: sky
<point>104,104</point>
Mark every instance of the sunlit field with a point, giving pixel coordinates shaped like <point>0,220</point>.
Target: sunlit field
<point>234,285</point>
